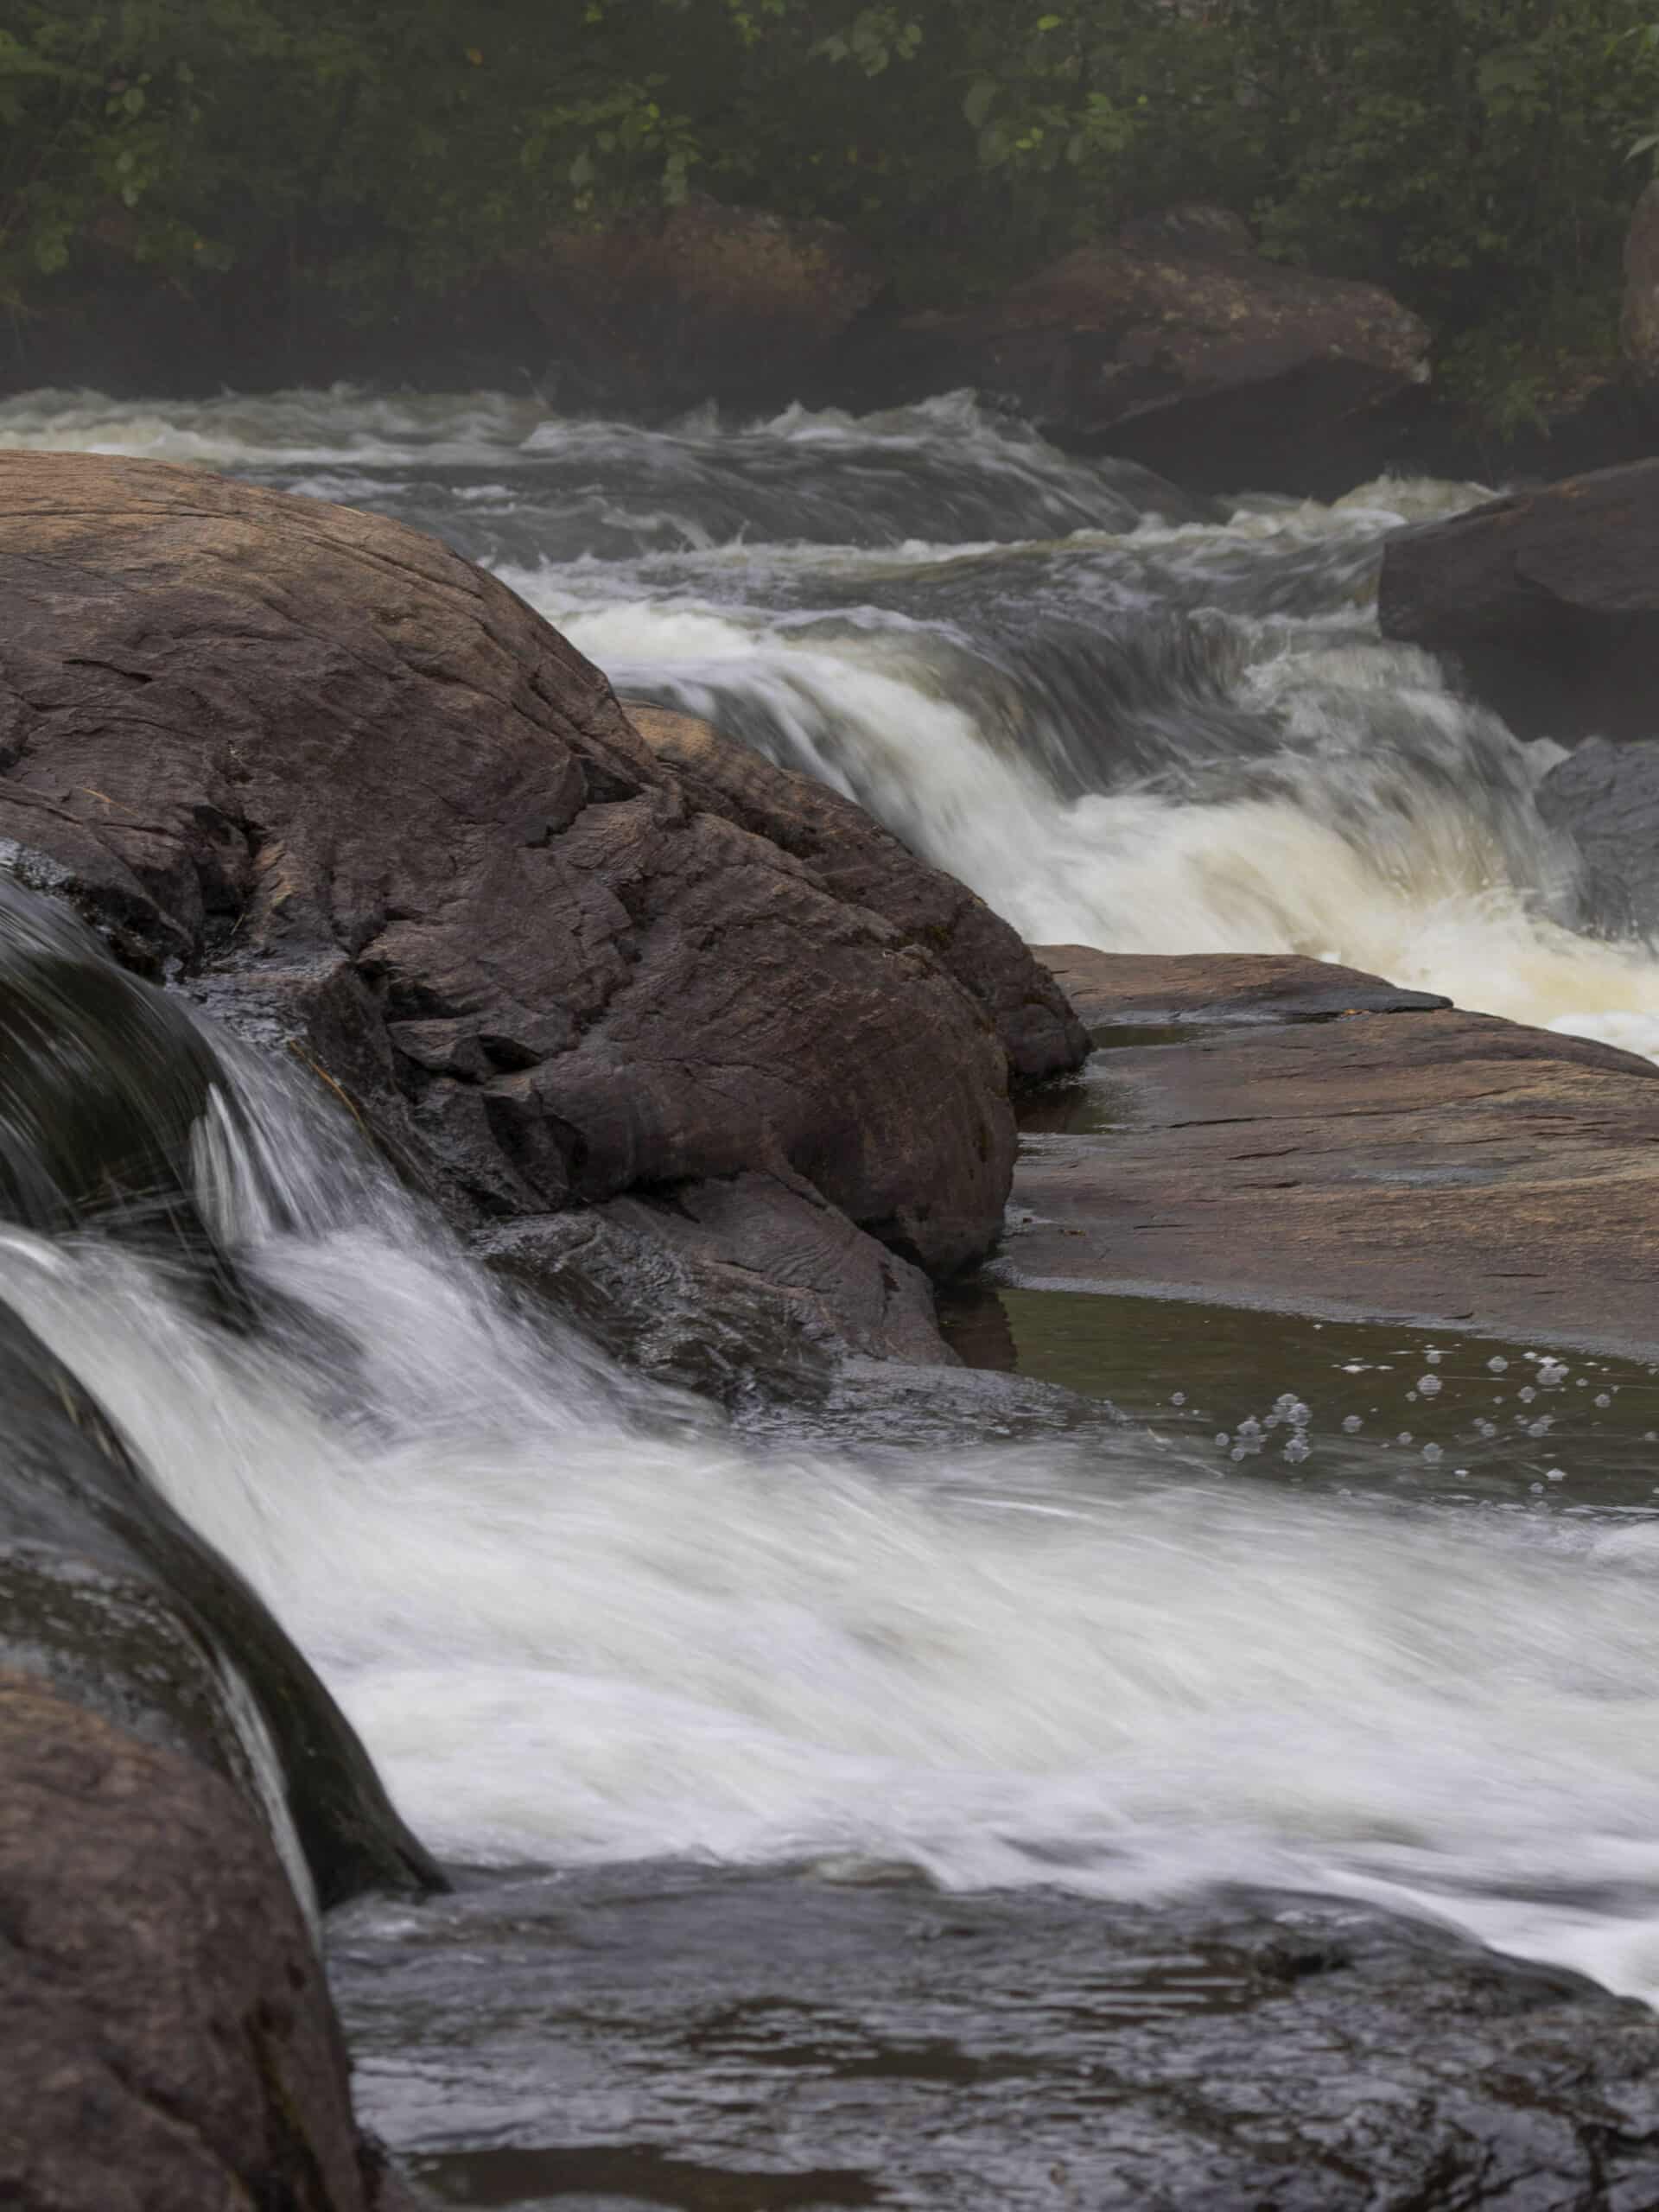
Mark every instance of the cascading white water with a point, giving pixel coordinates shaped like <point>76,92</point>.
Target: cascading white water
<point>573,1619</point>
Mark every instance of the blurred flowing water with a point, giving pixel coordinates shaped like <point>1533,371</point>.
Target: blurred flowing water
<point>1260,1631</point>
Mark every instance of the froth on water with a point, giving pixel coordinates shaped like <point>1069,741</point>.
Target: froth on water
<point>576,1617</point>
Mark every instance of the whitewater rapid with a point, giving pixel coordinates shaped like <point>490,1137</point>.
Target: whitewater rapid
<point>1125,719</point>
<point>575,1618</point>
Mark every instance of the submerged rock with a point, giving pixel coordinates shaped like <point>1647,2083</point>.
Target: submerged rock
<point>853,2037</point>
<point>1181,347</point>
<point>371,806</point>
<point>171,2038</point>
<point>1547,598</point>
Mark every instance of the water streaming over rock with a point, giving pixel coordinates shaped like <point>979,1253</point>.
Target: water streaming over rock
<point>577,1618</point>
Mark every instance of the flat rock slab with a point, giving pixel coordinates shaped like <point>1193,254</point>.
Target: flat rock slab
<point>685,2036</point>
<point>1108,989</point>
<point>1444,1167</point>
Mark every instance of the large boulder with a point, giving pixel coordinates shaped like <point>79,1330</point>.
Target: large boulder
<point>171,2040</point>
<point>865,864</point>
<point>1549,600</point>
<point>698,302</point>
<point>1605,795</point>
<point>1180,345</point>
<point>366,802</point>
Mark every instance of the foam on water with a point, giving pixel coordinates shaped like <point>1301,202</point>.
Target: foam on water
<point>574,1621</point>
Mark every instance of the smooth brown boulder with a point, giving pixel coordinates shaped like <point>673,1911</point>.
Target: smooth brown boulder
<point>171,2043</point>
<point>1110,989</point>
<point>850,853</point>
<point>1547,598</point>
<point>697,303</point>
<point>1181,347</point>
<point>367,801</point>
<point>1444,1167</point>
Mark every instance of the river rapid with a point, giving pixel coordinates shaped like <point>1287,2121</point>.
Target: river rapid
<point>577,1619</point>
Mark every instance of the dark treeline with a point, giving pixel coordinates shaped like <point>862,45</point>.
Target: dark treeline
<point>1476,155</point>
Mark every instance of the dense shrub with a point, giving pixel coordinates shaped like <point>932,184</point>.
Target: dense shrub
<point>1475,155</point>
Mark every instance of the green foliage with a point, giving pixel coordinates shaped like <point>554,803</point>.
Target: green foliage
<point>1474,155</point>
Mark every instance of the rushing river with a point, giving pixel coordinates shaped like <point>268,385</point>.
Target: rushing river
<point>574,1622</point>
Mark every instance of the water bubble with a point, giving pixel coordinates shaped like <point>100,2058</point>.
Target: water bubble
<point>1249,1426</point>
<point>1602,1399</point>
<point>1179,1398</point>
<point>1537,1429</point>
<point>1537,1490</point>
<point>1238,1452</point>
<point>1428,1384</point>
<point>1301,1414</point>
<point>1411,1397</point>
<point>1405,1436</point>
<point>1556,1475</point>
<point>1433,1454</point>
<point>1223,1438</point>
<point>1297,1449</point>
<point>1552,1371</point>
<point>1434,1358</point>
<point>1527,1394</point>
<point>1498,1366</point>
<point>1353,1424</point>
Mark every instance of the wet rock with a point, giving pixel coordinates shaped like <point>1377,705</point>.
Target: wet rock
<point>171,2041</point>
<point>1444,1167</point>
<point>741,1288</point>
<point>371,807</point>
<point>1549,600</point>
<point>698,303</point>
<point>109,1596</point>
<point>860,861</point>
<point>1180,347</point>
<point>854,2038</point>
<point>1607,795</point>
<point>1110,989</point>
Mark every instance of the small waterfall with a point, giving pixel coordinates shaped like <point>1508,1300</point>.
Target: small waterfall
<point>573,1616</point>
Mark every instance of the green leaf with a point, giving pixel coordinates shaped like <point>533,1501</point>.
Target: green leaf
<point>978,104</point>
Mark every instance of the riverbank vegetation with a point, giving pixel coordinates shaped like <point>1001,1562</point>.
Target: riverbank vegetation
<point>1474,155</point>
